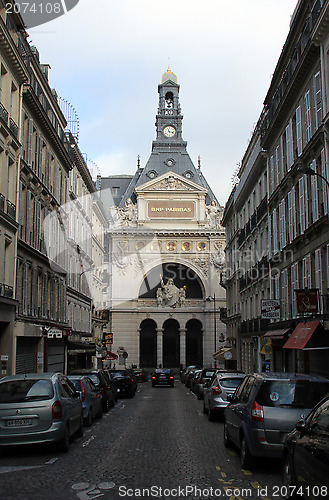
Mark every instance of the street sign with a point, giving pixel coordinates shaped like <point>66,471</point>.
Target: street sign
<point>54,332</point>
<point>307,301</point>
<point>109,338</point>
<point>270,308</point>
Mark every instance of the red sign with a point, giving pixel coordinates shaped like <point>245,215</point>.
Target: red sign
<point>111,355</point>
<point>307,301</point>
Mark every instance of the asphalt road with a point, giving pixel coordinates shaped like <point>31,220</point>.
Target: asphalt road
<point>156,445</point>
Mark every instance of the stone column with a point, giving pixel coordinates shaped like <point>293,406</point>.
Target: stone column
<point>159,347</point>
<point>182,346</point>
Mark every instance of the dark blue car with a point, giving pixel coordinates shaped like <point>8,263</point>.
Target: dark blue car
<point>90,397</point>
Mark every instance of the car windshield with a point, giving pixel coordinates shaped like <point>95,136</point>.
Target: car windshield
<point>208,374</point>
<point>94,378</point>
<point>230,382</point>
<point>18,391</point>
<point>294,393</point>
<point>118,374</point>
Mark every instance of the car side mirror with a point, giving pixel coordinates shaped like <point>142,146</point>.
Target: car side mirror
<point>230,398</point>
<point>301,425</point>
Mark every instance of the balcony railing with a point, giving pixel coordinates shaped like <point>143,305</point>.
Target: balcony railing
<point>2,202</point>
<point>4,114</point>
<point>13,127</point>
<point>11,209</point>
<point>6,291</point>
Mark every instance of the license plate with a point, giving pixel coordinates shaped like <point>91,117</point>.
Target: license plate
<point>19,422</point>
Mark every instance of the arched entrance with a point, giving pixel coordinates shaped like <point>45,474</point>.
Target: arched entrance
<point>171,344</point>
<point>194,352</point>
<point>181,275</point>
<point>148,344</point>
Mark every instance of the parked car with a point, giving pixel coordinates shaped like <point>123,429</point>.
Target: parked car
<point>305,458</point>
<point>184,372</point>
<point>103,384</point>
<point>133,378</point>
<point>141,375</point>
<point>124,382</point>
<point>189,376</point>
<point>204,376</point>
<point>217,390</point>
<point>90,397</point>
<point>196,373</point>
<point>265,408</point>
<point>39,408</point>
<point>163,376</point>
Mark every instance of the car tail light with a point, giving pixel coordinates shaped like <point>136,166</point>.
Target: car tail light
<point>153,377</point>
<point>171,377</point>
<point>257,413</point>
<point>56,410</point>
<point>216,390</point>
<point>83,391</point>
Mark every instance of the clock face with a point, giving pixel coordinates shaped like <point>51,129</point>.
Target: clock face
<point>169,131</point>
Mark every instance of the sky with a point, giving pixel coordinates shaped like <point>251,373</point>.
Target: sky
<point>107,58</point>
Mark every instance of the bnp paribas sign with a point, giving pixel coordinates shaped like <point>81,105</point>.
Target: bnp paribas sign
<point>39,12</point>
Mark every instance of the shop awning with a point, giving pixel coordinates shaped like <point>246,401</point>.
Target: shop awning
<point>224,353</point>
<point>80,348</point>
<point>301,335</point>
<point>277,334</point>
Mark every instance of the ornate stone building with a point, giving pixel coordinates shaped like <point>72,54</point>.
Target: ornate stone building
<point>166,251</point>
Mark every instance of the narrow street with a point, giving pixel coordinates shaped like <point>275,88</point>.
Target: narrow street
<point>159,440</point>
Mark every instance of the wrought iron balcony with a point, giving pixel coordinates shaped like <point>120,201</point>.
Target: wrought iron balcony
<point>6,291</point>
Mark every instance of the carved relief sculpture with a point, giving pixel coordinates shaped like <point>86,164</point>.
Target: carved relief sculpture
<point>169,294</point>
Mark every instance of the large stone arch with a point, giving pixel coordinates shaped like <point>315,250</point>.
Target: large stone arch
<point>194,349</point>
<point>148,344</point>
<point>171,345</point>
<point>183,274</point>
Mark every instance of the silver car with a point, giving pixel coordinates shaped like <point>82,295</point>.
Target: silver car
<point>39,408</point>
<point>216,392</point>
<point>265,408</point>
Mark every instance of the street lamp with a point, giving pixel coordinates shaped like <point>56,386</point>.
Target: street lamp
<point>210,298</point>
<point>309,171</point>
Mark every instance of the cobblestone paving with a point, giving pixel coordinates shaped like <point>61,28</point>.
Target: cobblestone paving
<point>159,442</point>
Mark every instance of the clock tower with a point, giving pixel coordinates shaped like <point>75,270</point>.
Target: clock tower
<point>169,150</point>
<point>169,118</point>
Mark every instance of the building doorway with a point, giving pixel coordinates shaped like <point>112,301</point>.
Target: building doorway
<point>171,344</point>
<point>194,351</point>
<point>148,344</point>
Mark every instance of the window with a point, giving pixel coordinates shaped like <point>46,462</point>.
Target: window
<point>274,231</point>
<point>299,139</point>
<point>325,174</point>
<point>306,272</point>
<point>294,286</point>
<point>292,226</point>
<point>314,193</point>
<point>282,225</point>
<point>308,123</point>
<point>284,294</point>
<point>290,145</point>
<point>271,174</point>
<point>303,203</point>
<point>318,276</point>
<point>317,99</point>
<point>115,191</point>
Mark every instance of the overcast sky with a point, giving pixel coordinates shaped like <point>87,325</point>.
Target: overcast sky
<point>107,58</point>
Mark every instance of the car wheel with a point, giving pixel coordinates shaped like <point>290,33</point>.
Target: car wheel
<point>245,456</point>
<point>287,477</point>
<point>153,385</point>
<point>80,430</point>
<point>205,409</point>
<point>199,396</point>
<point>227,441</point>
<point>64,443</point>
<point>112,402</point>
<point>88,420</point>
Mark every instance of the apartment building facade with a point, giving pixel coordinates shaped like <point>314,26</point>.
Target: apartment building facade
<point>291,137</point>
<point>46,219</point>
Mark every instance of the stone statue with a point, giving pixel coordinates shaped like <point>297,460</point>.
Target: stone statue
<point>169,294</point>
<point>214,214</point>
<point>128,214</point>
